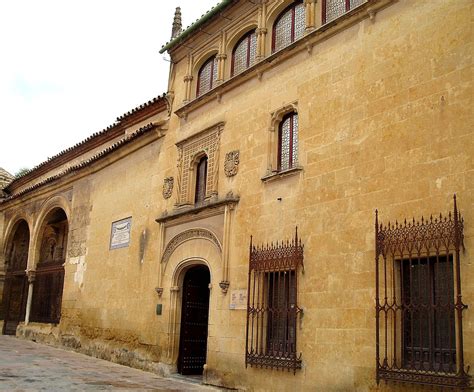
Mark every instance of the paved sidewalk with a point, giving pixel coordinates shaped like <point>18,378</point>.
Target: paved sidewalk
<point>27,366</point>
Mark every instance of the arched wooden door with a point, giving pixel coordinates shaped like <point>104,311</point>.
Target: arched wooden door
<point>15,289</point>
<point>194,321</point>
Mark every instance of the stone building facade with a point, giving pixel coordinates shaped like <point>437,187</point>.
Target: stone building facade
<point>273,221</point>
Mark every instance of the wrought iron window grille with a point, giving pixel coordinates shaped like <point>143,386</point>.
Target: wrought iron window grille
<point>418,304</point>
<point>272,306</point>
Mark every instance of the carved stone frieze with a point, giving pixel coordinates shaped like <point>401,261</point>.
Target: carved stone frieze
<point>168,184</point>
<point>185,236</point>
<point>231,163</point>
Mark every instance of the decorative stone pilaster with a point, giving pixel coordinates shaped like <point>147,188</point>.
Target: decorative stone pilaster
<point>310,10</point>
<point>187,87</point>
<point>220,67</point>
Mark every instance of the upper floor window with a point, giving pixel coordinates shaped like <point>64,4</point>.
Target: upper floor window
<point>201,180</point>
<point>289,26</point>
<point>207,76</point>
<point>288,142</point>
<point>244,53</point>
<point>333,9</point>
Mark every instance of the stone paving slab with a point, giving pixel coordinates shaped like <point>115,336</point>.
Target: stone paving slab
<point>28,366</point>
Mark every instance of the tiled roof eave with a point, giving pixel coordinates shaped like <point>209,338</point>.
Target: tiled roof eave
<point>82,165</point>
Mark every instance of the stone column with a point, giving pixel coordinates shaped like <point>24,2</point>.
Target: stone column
<point>220,57</point>
<point>261,31</point>
<point>31,279</point>
<point>188,78</point>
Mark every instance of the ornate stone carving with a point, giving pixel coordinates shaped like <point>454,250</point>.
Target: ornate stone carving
<point>187,235</point>
<point>224,285</point>
<point>231,163</point>
<point>207,141</point>
<point>168,183</point>
<point>159,291</point>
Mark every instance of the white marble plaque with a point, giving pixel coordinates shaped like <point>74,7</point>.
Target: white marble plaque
<point>238,299</point>
<point>120,234</point>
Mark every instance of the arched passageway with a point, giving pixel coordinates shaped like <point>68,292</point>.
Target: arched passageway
<point>49,280</point>
<point>15,289</point>
<point>194,320</point>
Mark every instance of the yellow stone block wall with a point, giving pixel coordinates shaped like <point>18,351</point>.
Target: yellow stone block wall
<point>385,121</point>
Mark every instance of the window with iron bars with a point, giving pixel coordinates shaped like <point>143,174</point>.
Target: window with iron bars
<point>272,305</point>
<point>419,306</point>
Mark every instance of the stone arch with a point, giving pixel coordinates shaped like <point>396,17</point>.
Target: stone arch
<point>272,16</point>
<point>187,253</point>
<point>187,235</point>
<point>11,228</point>
<point>55,202</point>
<point>14,287</point>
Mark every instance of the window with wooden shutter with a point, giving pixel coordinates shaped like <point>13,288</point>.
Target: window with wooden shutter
<point>201,180</point>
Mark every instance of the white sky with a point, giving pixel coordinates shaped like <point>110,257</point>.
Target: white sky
<point>70,68</point>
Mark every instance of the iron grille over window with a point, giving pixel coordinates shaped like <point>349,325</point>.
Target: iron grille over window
<point>418,302</point>
<point>333,9</point>
<point>288,142</point>
<point>289,26</point>
<point>272,305</point>
<point>244,52</point>
<point>207,76</point>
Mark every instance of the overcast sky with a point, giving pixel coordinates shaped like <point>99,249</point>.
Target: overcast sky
<point>70,68</point>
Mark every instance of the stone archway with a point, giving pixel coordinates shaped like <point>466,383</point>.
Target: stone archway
<point>15,289</point>
<point>50,255</point>
<point>194,320</point>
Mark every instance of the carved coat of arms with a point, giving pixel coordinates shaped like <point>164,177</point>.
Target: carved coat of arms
<point>168,187</point>
<point>231,163</point>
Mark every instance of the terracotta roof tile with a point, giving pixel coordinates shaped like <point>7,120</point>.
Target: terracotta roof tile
<point>120,143</point>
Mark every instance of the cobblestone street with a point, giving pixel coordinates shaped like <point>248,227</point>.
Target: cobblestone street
<point>28,366</point>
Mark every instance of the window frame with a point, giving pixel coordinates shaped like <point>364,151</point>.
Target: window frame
<point>291,8</point>
<point>247,36</point>
<point>212,77</point>
<point>200,186</point>
<point>293,134</point>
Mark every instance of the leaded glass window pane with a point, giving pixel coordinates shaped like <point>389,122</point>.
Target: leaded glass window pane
<point>244,53</point>
<point>207,76</point>
<point>289,26</point>
<point>282,31</point>
<point>334,9</point>
<point>288,138</point>
<point>356,3</point>
<point>295,140</point>
<point>240,56</point>
<point>300,21</point>
<point>285,144</point>
<point>253,49</point>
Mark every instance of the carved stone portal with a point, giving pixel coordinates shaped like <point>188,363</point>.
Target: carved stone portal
<point>168,183</point>
<point>231,163</point>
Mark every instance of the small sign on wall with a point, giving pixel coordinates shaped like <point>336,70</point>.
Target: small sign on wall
<point>238,299</point>
<point>120,234</point>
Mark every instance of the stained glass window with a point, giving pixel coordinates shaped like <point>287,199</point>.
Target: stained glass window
<point>207,76</point>
<point>288,142</point>
<point>244,53</point>
<point>289,26</point>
